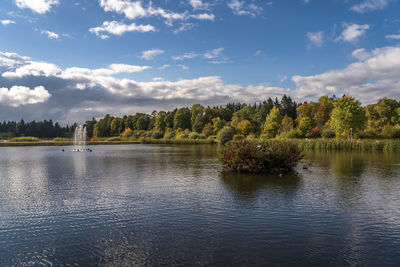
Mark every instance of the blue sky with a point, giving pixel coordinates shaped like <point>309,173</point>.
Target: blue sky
<point>70,60</point>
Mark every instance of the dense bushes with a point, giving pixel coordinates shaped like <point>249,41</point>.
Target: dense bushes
<point>225,134</point>
<point>261,156</point>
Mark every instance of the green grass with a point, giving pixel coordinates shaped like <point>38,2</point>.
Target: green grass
<point>24,139</point>
<point>62,140</point>
<point>348,145</point>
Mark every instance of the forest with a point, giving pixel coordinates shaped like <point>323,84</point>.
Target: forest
<point>329,117</point>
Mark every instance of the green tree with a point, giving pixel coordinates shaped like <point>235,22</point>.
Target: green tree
<point>347,115</point>
<point>225,134</point>
<point>196,119</point>
<point>272,123</point>
<point>160,122</point>
<point>218,124</point>
<point>143,122</point>
<point>116,126</point>
<point>287,124</point>
<point>382,113</point>
<point>305,126</point>
<point>244,127</point>
<point>182,119</point>
<point>207,129</point>
<point>90,127</point>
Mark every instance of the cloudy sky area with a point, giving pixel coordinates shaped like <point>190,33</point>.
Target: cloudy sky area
<point>70,60</point>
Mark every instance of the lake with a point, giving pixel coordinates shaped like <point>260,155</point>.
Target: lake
<point>173,205</point>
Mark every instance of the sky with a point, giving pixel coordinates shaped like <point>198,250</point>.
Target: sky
<point>71,60</point>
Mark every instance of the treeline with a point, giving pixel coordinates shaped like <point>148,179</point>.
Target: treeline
<point>40,129</point>
<point>329,117</point>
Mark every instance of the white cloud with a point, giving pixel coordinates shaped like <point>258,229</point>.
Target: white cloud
<point>196,4</point>
<point>316,38</point>
<point>393,36</point>
<point>119,28</point>
<point>43,69</point>
<point>50,34</point>
<point>370,5</point>
<point>120,68</point>
<point>373,77</point>
<point>164,66</point>
<point>20,95</point>
<point>151,54</point>
<point>135,9</point>
<point>157,79</point>
<point>240,8</point>
<point>12,60</point>
<point>214,53</point>
<point>38,6</point>
<point>352,32</point>
<point>7,22</point>
<point>33,69</point>
<point>204,16</point>
<point>131,10</point>
<point>185,56</point>
<point>183,67</point>
<point>184,27</point>
<point>361,54</point>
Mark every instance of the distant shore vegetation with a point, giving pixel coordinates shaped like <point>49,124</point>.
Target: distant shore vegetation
<point>330,117</point>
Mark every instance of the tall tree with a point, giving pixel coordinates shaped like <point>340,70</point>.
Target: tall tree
<point>347,115</point>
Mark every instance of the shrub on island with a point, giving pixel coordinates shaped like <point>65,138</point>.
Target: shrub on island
<point>261,156</point>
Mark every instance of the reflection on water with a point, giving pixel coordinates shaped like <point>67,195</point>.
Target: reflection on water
<point>173,205</point>
<point>251,184</point>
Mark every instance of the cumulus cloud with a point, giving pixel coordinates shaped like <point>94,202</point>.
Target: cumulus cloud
<point>119,28</point>
<point>136,10</point>
<point>352,32</point>
<point>33,69</point>
<point>37,6</point>
<point>80,93</point>
<point>316,38</point>
<point>133,10</point>
<point>151,54</point>
<point>6,22</point>
<point>240,8</point>
<point>370,5</point>
<point>12,60</point>
<point>374,76</point>
<point>20,95</point>
<point>50,34</point>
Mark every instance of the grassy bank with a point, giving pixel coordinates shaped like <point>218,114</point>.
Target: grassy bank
<point>348,145</point>
<point>304,144</point>
<point>110,141</point>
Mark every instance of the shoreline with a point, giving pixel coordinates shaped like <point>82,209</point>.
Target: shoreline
<point>390,145</point>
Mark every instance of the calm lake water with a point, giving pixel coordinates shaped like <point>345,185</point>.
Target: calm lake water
<point>173,205</point>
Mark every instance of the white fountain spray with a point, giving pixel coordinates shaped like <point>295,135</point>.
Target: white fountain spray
<point>80,139</point>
